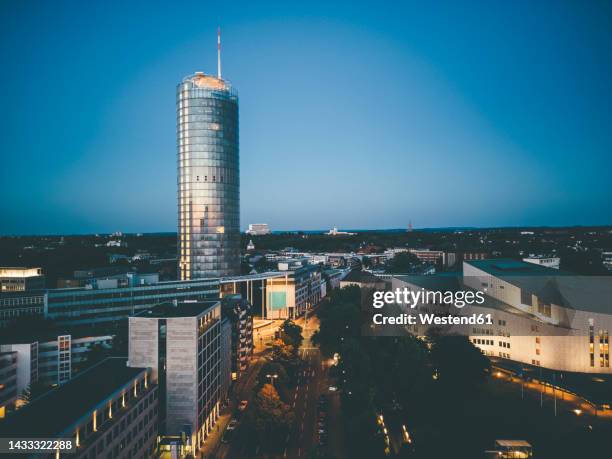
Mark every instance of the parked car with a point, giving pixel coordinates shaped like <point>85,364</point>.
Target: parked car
<point>232,425</point>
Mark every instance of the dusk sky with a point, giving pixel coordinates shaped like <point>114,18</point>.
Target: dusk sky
<point>356,115</point>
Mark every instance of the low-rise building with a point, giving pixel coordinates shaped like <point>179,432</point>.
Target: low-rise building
<point>75,306</point>
<point>335,276</point>
<point>258,229</point>
<point>52,357</point>
<point>543,260</point>
<point>606,259</point>
<point>289,296</point>
<point>108,277</point>
<point>21,305</point>
<point>363,280</point>
<point>21,279</point>
<point>429,256</point>
<point>25,363</point>
<point>110,410</point>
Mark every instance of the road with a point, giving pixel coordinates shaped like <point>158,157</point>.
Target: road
<point>242,391</point>
<point>312,381</point>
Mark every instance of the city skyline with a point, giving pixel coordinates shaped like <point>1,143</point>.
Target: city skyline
<point>350,117</point>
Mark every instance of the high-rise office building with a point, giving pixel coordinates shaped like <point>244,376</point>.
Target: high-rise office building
<point>208,177</point>
<point>181,343</point>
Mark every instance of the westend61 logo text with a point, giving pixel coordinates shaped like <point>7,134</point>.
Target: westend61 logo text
<point>412,298</point>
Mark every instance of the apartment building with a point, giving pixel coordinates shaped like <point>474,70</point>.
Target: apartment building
<point>109,411</point>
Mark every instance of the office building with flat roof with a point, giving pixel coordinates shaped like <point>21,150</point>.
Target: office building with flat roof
<point>106,305</point>
<point>51,357</point>
<point>21,305</point>
<point>108,411</point>
<point>181,342</point>
<point>543,260</point>
<point>289,296</point>
<point>258,229</point>
<point>539,316</point>
<point>21,279</point>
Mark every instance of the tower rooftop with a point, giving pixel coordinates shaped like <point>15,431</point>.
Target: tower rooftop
<point>201,80</point>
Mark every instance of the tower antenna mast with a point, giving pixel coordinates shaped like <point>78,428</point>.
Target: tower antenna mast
<point>219,52</point>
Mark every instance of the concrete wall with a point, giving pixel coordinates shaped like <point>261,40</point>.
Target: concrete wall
<point>182,374</point>
<point>143,344</point>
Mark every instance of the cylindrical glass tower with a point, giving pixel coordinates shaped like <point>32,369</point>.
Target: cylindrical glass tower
<point>208,178</point>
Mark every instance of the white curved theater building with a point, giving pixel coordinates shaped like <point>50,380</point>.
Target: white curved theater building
<point>540,316</point>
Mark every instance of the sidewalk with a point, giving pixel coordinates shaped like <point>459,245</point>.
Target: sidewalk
<point>241,390</point>
<point>214,439</point>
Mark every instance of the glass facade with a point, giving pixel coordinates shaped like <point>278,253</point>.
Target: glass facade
<point>208,178</point>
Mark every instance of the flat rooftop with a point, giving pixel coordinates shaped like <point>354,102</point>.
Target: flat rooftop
<point>47,331</point>
<point>180,309</point>
<point>583,293</point>
<point>56,410</point>
<point>362,277</point>
<point>19,272</point>
<point>503,267</point>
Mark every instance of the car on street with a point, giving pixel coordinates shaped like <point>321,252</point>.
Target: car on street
<point>232,425</point>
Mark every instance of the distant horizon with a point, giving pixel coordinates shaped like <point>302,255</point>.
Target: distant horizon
<point>323,231</point>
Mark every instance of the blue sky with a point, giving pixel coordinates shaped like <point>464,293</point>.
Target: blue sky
<point>356,115</point>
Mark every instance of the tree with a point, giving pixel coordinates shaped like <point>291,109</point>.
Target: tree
<point>461,368</point>
<point>340,318</point>
<point>367,440</point>
<point>286,356</point>
<point>274,368</point>
<point>291,334</point>
<point>270,418</point>
<point>403,262</point>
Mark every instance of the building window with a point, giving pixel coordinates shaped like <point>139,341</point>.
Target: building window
<point>604,349</point>
<point>592,345</point>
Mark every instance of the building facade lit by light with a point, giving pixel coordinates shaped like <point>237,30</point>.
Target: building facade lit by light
<point>208,178</point>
